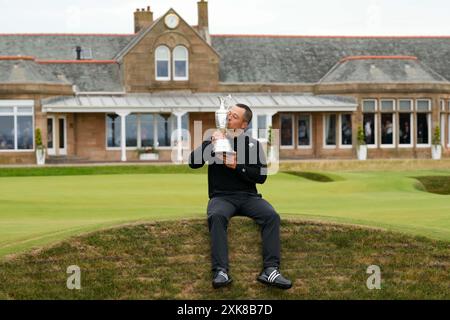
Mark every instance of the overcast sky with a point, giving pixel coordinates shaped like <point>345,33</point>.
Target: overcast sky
<point>317,17</point>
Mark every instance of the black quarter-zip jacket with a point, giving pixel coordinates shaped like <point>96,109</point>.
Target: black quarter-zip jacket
<point>251,167</point>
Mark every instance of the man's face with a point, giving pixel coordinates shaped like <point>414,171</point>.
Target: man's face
<point>236,118</point>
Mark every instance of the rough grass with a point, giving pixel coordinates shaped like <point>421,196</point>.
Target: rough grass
<point>436,184</point>
<point>170,260</point>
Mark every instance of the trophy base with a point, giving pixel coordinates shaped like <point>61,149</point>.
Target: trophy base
<point>223,146</point>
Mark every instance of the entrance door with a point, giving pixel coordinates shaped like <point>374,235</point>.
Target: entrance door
<point>56,135</point>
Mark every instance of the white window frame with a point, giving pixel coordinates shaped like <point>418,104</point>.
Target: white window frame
<point>325,145</point>
<point>309,146</point>
<point>394,130</point>
<point>175,78</point>
<point>421,100</point>
<point>341,145</point>
<point>369,100</point>
<point>442,125</point>
<point>411,130</point>
<point>424,145</point>
<point>394,127</point>
<point>16,104</point>
<point>291,146</point>
<point>375,128</point>
<point>158,78</point>
<point>411,104</point>
<point>394,107</point>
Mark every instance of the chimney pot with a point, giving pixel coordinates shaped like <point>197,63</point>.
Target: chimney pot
<point>203,24</point>
<point>142,19</point>
<point>203,14</point>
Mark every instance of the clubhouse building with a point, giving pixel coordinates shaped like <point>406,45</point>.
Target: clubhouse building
<point>104,97</point>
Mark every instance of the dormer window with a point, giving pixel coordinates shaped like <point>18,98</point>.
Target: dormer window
<point>172,65</point>
<point>162,63</point>
<point>180,63</point>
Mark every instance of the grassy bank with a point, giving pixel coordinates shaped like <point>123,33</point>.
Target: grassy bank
<point>170,260</point>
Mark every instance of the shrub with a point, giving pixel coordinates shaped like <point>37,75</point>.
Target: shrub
<point>360,136</point>
<point>437,136</point>
<point>38,139</point>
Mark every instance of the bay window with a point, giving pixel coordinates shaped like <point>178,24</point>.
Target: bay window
<point>113,127</point>
<point>387,123</point>
<point>405,123</point>
<point>346,129</point>
<point>131,128</point>
<point>16,128</point>
<point>330,130</point>
<point>287,130</point>
<point>369,122</point>
<point>144,130</point>
<point>304,130</point>
<point>423,120</point>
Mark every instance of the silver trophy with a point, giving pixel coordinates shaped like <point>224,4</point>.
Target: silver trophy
<point>222,145</point>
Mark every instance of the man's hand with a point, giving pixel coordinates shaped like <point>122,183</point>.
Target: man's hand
<point>228,159</point>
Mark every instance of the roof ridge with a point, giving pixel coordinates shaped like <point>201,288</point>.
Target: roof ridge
<point>76,61</point>
<point>68,34</point>
<point>332,36</point>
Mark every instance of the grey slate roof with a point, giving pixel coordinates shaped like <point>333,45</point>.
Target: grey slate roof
<point>90,76</point>
<point>62,47</point>
<point>308,59</point>
<point>26,71</point>
<point>243,58</point>
<point>381,71</point>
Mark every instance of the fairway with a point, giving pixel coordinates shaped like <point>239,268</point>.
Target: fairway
<point>36,211</point>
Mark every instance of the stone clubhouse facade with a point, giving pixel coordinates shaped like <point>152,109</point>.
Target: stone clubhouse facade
<point>104,97</point>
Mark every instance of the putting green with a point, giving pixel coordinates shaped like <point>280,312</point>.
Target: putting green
<point>36,211</point>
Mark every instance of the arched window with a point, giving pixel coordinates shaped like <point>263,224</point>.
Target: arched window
<point>162,63</point>
<point>180,63</point>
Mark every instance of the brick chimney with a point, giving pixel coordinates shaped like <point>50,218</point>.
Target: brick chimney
<point>203,24</point>
<point>142,19</point>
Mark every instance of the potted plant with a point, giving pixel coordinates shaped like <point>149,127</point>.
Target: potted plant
<point>361,150</point>
<point>436,148</point>
<point>148,153</point>
<point>40,149</point>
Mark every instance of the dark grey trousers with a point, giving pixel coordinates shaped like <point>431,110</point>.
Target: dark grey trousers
<point>222,208</point>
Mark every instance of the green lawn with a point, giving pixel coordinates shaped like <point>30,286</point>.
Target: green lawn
<point>40,210</point>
